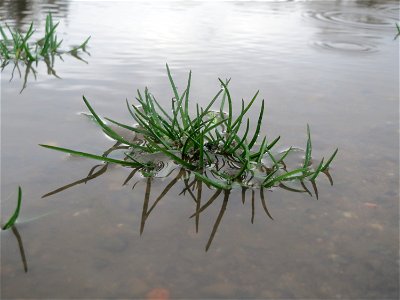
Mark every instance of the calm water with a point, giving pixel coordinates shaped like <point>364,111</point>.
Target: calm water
<point>333,65</point>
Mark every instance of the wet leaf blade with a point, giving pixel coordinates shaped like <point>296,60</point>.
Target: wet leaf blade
<point>15,215</point>
<point>92,156</point>
<point>326,166</point>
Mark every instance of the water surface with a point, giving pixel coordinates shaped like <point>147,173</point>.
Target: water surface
<point>333,65</point>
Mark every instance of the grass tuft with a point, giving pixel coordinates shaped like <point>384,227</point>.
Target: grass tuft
<point>211,144</point>
<point>17,46</point>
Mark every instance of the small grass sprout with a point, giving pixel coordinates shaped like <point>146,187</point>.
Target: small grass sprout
<point>10,223</point>
<point>214,145</point>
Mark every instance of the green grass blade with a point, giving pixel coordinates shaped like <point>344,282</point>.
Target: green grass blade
<point>152,128</point>
<point>307,159</point>
<point>221,108</point>
<point>28,53</point>
<point>273,159</point>
<point>15,215</point>
<point>284,155</point>
<point>162,110</point>
<point>172,83</point>
<point>247,107</point>
<point>92,156</point>
<point>107,130</point>
<point>326,166</point>
<point>201,154</point>
<point>318,170</point>
<point>235,129</point>
<point>262,150</point>
<point>255,136</point>
<point>241,141</point>
<point>173,156</point>
<point>137,130</point>
<point>226,90</point>
<point>81,46</point>
<point>178,99</point>
<point>273,143</point>
<point>214,183</point>
<point>186,111</point>
<point>207,109</point>
<point>287,176</point>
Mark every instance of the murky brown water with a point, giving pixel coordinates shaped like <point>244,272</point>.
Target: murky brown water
<point>333,65</point>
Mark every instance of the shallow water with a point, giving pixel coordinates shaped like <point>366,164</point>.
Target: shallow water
<point>333,65</point>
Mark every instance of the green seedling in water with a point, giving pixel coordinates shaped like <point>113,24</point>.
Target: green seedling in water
<point>204,143</point>
<point>17,46</point>
<point>10,223</point>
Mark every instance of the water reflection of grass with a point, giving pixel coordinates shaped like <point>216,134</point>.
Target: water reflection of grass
<point>398,31</point>
<point>193,187</point>
<point>204,143</point>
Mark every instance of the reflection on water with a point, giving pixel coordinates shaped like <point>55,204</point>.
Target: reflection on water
<point>29,68</point>
<point>193,187</point>
<point>25,69</point>
<point>21,247</point>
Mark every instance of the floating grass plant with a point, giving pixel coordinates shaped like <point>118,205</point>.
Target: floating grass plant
<point>218,148</point>
<point>18,46</point>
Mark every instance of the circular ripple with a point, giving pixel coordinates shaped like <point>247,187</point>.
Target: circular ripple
<point>345,46</point>
<point>354,19</point>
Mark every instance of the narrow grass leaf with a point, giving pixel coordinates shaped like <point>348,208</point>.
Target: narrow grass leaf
<point>92,156</point>
<point>15,215</point>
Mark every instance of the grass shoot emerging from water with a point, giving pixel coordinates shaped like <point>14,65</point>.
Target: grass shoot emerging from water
<point>17,46</point>
<point>10,223</point>
<point>217,147</point>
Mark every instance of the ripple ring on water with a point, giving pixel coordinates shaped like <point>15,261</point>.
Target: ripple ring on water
<point>354,19</point>
<point>345,46</point>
